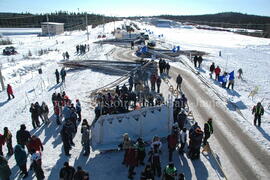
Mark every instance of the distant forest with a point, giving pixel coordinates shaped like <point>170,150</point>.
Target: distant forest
<point>73,21</point>
<point>226,20</point>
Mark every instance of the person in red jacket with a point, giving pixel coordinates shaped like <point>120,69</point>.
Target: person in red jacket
<point>217,72</point>
<point>35,144</point>
<point>172,143</point>
<point>10,92</point>
<point>132,160</point>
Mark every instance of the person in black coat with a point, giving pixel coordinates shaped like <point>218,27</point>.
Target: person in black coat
<point>195,60</point>
<point>168,68</point>
<point>131,82</point>
<point>147,173</point>
<point>154,159</point>
<point>67,172</point>
<point>66,142</point>
<point>212,69</point>
<point>208,130</point>
<point>39,110</point>
<point>181,119</point>
<point>200,60</point>
<point>63,74</point>
<point>195,141</point>
<point>179,80</point>
<point>23,136</point>
<point>141,150</point>
<point>57,76</point>
<point>34,115</point>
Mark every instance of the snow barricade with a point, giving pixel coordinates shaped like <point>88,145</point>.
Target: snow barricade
<point>107,131</point>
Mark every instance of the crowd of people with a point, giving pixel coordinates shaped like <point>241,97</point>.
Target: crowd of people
<point>31,144</point>
<point>135,95</point>
<point>135,151</point>
<point>82,48</point>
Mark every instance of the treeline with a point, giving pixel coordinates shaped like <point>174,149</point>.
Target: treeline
<point>226,20</point>
<point>73,21</point>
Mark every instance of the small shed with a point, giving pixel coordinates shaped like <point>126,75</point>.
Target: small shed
<point>52,28</point>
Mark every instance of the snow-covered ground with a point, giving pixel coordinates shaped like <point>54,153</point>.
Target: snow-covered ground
<point>21,71</point>
<point>252,54</point>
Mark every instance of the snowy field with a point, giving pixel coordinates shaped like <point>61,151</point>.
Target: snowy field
<point>21,71</point>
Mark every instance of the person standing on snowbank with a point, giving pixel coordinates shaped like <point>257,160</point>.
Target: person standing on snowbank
<point>57,76</point>
<point>45,112</point>
<point>258,111</point>
<point>231,80</point>
<point>240,73</point>
<point>63,74</point>
<point>10,92</point>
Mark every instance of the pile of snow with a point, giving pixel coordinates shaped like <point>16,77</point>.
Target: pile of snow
<point>146,123</point>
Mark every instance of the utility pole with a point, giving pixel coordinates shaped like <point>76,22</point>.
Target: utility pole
<point>1,78</point>
<point>48,25</point>
<point>86,23</point>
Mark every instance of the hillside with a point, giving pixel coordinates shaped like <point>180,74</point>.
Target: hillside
<point>226,20</point>
<point>73,21</point>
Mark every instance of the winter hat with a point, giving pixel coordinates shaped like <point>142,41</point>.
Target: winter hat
<point>23,127</point>
<point>66,164</point>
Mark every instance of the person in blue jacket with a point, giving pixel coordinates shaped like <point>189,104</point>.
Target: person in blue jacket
<point>231,80</point>
<point>21,159</point>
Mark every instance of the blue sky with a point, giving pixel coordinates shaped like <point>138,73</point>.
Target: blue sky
<point>138,7</point>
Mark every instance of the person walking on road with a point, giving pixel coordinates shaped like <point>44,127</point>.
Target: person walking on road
<point>179,80</point>
<point>258,111</point>
<point>208,130</point>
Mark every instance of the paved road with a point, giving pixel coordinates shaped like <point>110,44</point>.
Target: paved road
<point>249,159</point>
